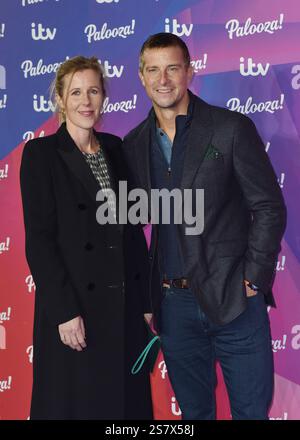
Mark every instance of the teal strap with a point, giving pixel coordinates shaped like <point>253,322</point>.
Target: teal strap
<point>142,357</point>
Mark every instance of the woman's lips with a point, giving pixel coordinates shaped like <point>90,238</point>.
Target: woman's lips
<point>87,113</point>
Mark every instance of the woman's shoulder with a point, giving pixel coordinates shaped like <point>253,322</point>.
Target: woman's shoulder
<point>40,142</point>
<point>40,146</point>
<point>109,139</point>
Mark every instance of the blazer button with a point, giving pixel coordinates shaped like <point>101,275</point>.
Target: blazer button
<point>91,286</point>
<point>81,206</point>
<point>150,257</point>
<point>88,247</point>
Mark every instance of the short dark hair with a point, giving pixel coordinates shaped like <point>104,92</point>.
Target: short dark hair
<point>161,40</point>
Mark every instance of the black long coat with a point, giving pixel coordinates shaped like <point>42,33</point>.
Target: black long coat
<point>78,267</point>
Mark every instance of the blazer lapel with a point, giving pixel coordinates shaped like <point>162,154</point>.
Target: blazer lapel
<point>201,132</point>
<point>199,138</point>
<point>76,162</point>
<point>142,153</point>
<point>200,135</point>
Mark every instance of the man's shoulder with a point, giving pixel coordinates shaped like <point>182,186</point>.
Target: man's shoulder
<point>132,135</point>
<point>223,116</point>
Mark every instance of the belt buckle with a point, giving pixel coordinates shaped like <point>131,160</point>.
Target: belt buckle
<point>180,283</point>
<point>177,283</point>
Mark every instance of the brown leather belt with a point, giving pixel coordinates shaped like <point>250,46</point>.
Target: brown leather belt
<point>180,283</point>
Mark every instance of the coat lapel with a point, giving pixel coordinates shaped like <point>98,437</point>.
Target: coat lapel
<point>111,171</point>
<point>199,138</point>
<point>76,162</point>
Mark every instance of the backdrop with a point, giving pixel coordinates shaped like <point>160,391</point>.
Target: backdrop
<point>246,57</point>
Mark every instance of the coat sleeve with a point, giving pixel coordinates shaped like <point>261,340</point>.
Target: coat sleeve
<point>56,294</point>
<point>264,199</point>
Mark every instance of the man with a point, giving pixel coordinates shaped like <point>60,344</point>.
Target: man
<point>208,291</point>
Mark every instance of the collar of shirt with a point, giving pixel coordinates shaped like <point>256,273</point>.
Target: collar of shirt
<point>181,121</point>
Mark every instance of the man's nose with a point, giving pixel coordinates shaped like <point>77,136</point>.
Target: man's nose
<point>163,77</point>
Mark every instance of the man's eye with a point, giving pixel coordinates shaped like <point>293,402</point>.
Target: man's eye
<point>94,91</point>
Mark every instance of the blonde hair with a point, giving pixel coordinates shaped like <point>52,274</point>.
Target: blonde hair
<point>71,66</point>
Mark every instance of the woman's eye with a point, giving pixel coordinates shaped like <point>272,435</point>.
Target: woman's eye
<point>76,92</point>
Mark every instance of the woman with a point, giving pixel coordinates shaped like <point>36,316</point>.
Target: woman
<point>79,369</point>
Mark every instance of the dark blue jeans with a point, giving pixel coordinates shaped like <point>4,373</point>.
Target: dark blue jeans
<point>191,345</point>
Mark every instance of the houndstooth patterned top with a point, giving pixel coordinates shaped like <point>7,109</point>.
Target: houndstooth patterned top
<point>99,168</point>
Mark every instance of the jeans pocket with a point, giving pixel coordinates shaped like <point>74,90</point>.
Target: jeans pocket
<point>257,309</point>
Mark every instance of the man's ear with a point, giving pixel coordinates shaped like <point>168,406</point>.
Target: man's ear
<point>142,78</point>
<point>190,73</point>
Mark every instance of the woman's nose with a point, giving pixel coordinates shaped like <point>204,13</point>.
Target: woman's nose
<point>86,99</point>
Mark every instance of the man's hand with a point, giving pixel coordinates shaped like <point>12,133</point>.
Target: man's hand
<point>249,292</point>
<point>72,333</point>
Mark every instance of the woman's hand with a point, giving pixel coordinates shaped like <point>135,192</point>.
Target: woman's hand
<point>148,318</point>
<point>72,333</point>
<point>149,321</point>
